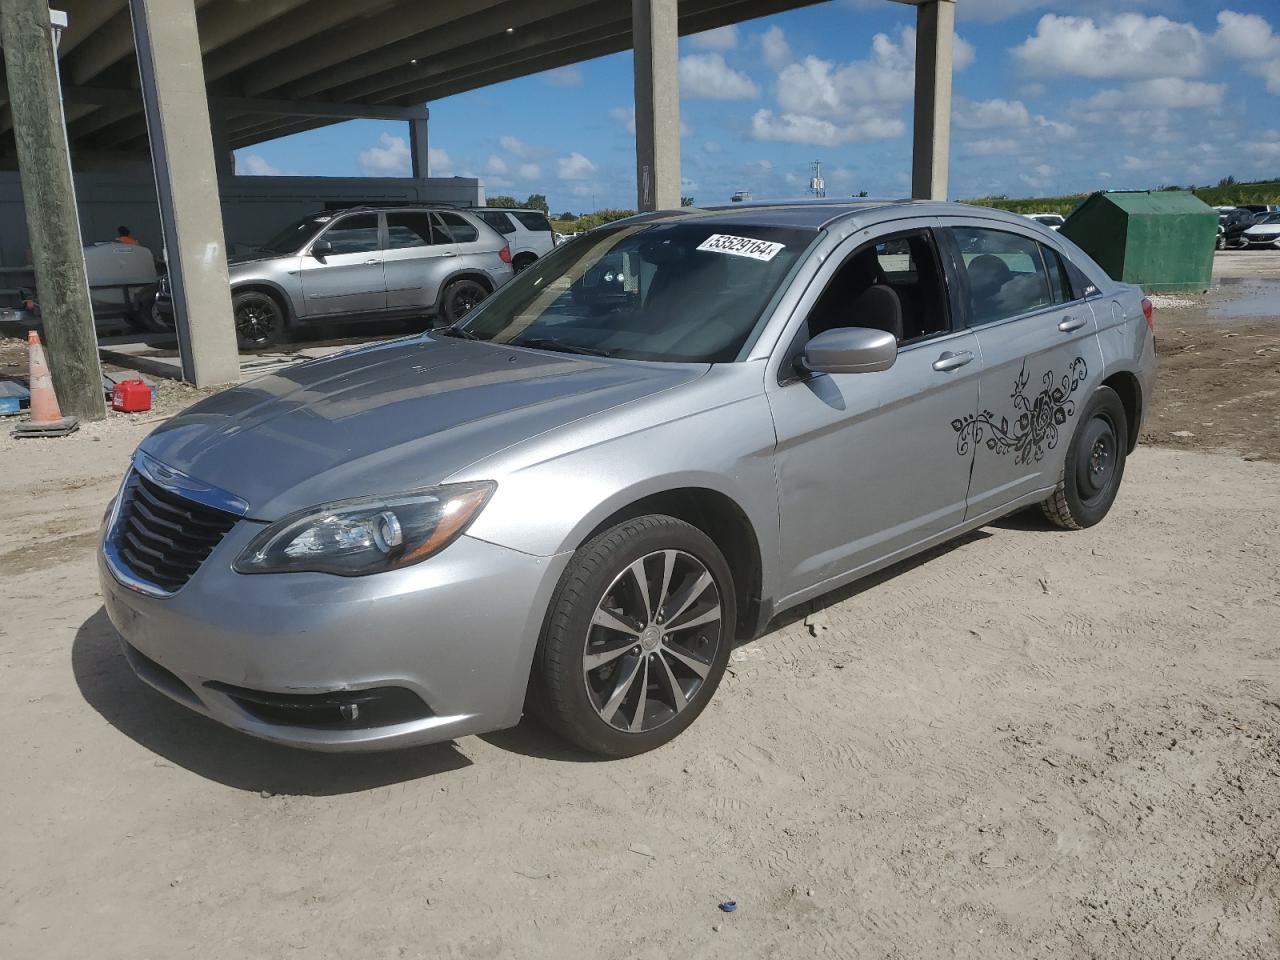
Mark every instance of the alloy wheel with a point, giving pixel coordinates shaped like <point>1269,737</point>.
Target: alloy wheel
<point>652,640</point>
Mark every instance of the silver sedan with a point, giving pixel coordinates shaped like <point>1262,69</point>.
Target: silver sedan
<point>628,460</point>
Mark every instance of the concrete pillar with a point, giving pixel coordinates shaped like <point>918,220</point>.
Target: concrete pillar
<point>418,146</point>
<point>224,158</point>
<point>657,95</point>
<point>931,147</point>
<point>49,198</point>
<point>187,184</point>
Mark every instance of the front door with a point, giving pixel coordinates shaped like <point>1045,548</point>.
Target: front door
<point>866,463</point>
<point>1037,339</point>
<point>348,279</point>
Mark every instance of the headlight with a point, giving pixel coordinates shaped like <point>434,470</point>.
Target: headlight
<point>356,537</point>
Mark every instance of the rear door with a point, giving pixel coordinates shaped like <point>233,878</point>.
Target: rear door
<point>1037,339</point>
<point>420,255</point>
<point>349,279</point>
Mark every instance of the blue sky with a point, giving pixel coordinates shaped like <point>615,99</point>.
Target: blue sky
<point>1050,97</point>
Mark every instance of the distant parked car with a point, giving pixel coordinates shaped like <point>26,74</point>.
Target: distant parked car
<point>1234,225</point>
<point>1263,232</point>
<point>528,232</point>
<point>361,264</point>
<point>1053,221</point>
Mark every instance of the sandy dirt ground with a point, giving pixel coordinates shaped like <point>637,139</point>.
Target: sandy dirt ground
<point>1027,744</point>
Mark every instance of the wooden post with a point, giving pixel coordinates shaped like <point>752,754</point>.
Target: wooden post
<point>49,198</point>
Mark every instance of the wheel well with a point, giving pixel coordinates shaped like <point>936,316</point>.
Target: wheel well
<point>1126,386</point>
<point>723,521</point>
<point>280,299</point>
<point>525,257</point>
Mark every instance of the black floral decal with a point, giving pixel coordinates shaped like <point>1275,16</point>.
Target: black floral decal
<point>1038,418</point>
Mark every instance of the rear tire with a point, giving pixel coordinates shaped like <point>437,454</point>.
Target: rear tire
<point>619,671</point>
<point>460,298</point>
<point>259,319</point>
<point>1094,465</point>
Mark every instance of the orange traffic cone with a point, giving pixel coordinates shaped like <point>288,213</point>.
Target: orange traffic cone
<point>46,417</point>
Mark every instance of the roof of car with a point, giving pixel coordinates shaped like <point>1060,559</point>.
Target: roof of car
<point>821,214</point>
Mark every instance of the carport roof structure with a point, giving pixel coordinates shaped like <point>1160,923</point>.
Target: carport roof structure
<point>275,67</point>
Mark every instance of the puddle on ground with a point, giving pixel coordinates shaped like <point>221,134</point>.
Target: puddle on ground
<point>1239,298</point>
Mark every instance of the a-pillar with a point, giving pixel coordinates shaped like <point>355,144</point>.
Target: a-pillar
<point>931,147</point>
<point>173,91</point>
<point>657,95</point>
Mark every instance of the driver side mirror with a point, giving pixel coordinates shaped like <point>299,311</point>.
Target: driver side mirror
<point>849,350</point>
<point>321,249</point>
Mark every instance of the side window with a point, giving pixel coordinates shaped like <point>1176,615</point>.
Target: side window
<point>499,221</point>
<point>409,230</point>
<point>533,221</point>
<point>1059,282</point>
<point>892,284</point>
<point>355,234</point>
<point>459,228</point>
<point>1006,274</point>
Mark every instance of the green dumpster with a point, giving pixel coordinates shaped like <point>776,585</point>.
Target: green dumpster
<point>1162,240</point>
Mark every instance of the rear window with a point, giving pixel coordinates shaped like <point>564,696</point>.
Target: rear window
<point>533,221</point>
<point>459,229</point>
<point>499,221</point>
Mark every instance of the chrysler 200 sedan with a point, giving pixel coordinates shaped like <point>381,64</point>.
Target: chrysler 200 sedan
<point>583,504</point>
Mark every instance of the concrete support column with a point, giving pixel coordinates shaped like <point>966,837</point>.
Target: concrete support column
<point>418,146</point>
<point>49,198</point>
<point>657,95</point>
<point>931,148</point>
<point>177,109</point>
<point>224,158</point>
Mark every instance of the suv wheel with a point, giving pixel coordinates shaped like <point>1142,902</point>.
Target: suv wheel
<point>258,318</point>
<point>637,637</point>
<point>1094,466</point>
<point>460,298</point>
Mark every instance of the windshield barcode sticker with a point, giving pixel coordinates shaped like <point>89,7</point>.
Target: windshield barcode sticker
<point>741,246</point>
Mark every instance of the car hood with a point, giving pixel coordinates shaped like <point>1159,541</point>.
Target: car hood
<point>390,418</point>
<point>1264,229</point>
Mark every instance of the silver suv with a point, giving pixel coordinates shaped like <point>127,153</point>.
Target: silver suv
<point>362,264</point>
<point>527,231</point>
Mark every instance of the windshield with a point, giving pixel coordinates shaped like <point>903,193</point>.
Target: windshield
<point>687,291</point>
<point>293,237</point>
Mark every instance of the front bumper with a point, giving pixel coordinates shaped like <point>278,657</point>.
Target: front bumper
<point>458,631</point>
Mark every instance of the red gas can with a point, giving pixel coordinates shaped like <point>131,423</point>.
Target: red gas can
<point>131,396</point>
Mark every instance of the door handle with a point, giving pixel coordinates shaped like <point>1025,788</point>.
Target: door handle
<point>370,263</point>
<point>447,253</point>
<point>1067,324</point>
<point>952,361</point>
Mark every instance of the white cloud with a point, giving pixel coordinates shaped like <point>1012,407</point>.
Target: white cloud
<point>516,147</point>
<point>255,165</point>
<point>565,77</point>
<point>707,76</point>
<point>774,48</point>
<point>1246,36</point>
<point>576,167</point>
<point>993,147</point>
<point>721,38</point>
<point>530,171</point>
<point>390,159</point>
<point>1265,147</point>
<point>802,128</point>
<point>438,163</point>
<point>495,166</point>
<point>1127,45</point>
<point>1167,92</point>
<point>711,146</point>
<point>989,114</point>
<point>624,117</point>
<point>818,87</point>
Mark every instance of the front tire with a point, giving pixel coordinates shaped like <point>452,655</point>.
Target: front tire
<point>1094,466</point>
<point>637,638</point>
<point>259,319</point>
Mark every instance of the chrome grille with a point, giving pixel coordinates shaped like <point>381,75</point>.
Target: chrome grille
<point>162,536</point>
